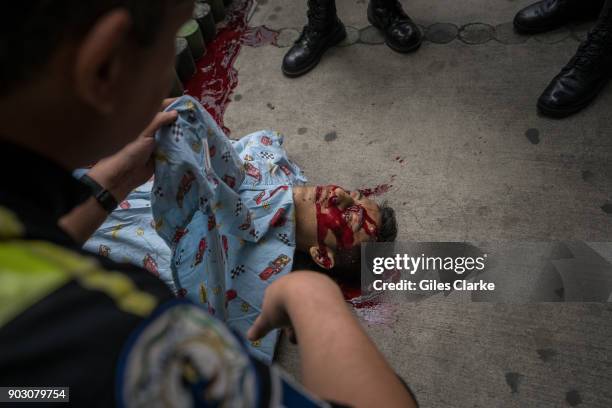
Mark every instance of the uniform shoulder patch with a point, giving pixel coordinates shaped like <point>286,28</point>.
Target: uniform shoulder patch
<point>181,356</point>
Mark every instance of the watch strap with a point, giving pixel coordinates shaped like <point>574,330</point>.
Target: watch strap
<point>102,195</point>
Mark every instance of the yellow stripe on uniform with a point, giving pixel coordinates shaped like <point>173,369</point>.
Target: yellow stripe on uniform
<point>29,270</point>
<point>24,279</point>
<point>88,273</point>
<point>10,226</point>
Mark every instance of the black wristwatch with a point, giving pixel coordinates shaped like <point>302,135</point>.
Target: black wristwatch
<point>102,195</point>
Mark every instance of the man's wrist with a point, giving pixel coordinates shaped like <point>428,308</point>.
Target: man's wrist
<point>109,183</point>
<point>313,287</point>
<point>104,197</point>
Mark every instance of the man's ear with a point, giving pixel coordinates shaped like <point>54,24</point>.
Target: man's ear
<point>99,60</point>
<point>323,257</point>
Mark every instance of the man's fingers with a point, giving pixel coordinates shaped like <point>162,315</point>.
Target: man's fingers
<point>166,102</point>
<point>161,119</point>
<point>259,329</point>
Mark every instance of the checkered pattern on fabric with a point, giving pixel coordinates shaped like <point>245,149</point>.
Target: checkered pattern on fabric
<point>267,155</point>
<point>239,207</point>
<point>226,156</point>
<point>177,132</point>
<point>284,238</point>
<point>237,271</point>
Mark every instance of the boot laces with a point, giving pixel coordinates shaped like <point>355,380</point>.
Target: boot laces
<point>320,17</point>
<point>395,7</point>
<point>590,52</point>
<point>310,33</point>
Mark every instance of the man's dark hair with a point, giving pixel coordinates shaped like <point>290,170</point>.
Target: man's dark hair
<point>31,30</point>
<point>387,230</point>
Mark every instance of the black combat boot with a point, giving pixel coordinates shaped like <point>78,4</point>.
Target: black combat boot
<point>547,15</point>
<point>585,75</point>
<point>323,31</point>
<point>400,32</point>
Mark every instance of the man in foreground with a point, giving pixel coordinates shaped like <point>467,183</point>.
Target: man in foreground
<point>78,81</point>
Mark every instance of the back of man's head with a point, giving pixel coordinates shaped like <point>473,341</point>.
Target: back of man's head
<point>32,30</point>
<point>108,63</point>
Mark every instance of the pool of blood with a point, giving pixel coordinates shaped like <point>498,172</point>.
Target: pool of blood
<point>216,78</point>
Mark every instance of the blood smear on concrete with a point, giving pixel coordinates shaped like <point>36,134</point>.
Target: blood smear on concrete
<point>216,78</point>
<point>375,191</point>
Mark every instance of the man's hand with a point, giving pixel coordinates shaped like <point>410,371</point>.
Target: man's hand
<point>133,165</point>
<point>331,343</point>
<point>120,174</point>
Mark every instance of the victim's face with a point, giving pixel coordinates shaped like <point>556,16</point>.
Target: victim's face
<point>338,218</point>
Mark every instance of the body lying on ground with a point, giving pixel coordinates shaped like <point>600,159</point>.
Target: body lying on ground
<point>222,219</point>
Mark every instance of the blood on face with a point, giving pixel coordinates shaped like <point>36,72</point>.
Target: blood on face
<point>334,219</point>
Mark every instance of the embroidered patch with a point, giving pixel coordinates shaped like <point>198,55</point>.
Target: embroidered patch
<point>185,358</point>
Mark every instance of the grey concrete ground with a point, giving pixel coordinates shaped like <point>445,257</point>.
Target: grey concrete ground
<point>453,129</point>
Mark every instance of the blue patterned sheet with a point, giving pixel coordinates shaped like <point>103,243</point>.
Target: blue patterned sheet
<point>216,223</point>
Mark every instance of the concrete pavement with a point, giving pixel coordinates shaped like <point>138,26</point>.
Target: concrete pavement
<point>453,130</point>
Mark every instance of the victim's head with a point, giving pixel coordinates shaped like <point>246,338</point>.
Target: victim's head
<point>80,79</point>
<point>332,222</point>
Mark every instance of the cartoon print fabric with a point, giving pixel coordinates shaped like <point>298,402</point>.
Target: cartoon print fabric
<point>219,226</point>
<point>128,235</point>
